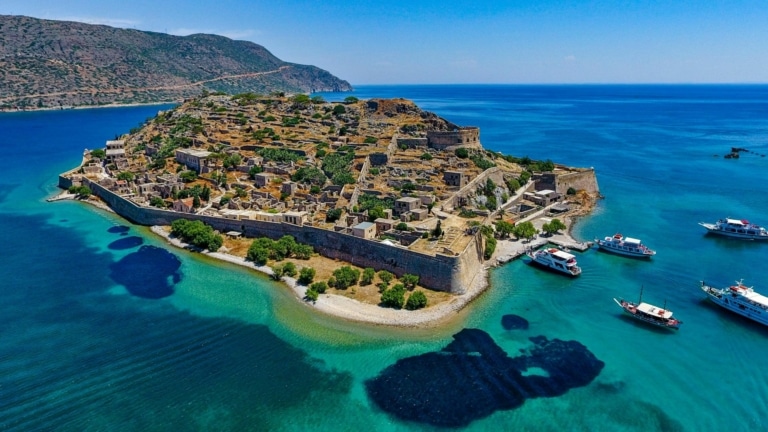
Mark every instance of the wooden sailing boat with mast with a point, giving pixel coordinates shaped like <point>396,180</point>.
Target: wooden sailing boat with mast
<point>660,317</point>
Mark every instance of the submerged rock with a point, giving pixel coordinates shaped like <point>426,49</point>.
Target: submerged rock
<point>472,377</point>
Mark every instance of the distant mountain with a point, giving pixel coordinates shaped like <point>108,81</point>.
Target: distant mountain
<point>46,63</point>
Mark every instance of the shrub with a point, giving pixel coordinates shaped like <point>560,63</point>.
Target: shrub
<point>98,153</point>
<point>346,276</point>
<point>367,277</point>
<point>570,191</point>
<point>277,272</point>
<point>394,297</point>
<point>410,281</point>
<point>386,276</point>
<point>461,152</point>
<point>289,269</point>
<point>350,99</point>
<point>311,295</point>
<point>339,109</point>
<point>333,215</point>
<point>197,233</point>
<point>306,275</point>
<point>426,157</point>
<point>417,300</point>
<point>320,287</point>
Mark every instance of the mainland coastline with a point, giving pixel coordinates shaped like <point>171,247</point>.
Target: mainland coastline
<point>468,279</point>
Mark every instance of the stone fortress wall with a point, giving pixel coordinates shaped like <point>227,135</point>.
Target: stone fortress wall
<point>579,179</point>
<point>468,137</point>
<point>451,273</point>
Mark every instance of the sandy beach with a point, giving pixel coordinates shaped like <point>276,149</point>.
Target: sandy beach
<point>346,308</point>
<point>353,310</point>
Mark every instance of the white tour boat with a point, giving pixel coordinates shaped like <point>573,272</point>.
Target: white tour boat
<point>555,259</point>
<point>626,246</point>
<point>737,228</point>
<point>740,299</point>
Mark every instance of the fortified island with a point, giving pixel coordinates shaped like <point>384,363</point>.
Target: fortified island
<point>376,184</point>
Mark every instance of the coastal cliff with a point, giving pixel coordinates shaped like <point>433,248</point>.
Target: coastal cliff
<point>56,64</point>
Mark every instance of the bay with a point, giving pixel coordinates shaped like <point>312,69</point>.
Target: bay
<point>230,350</point>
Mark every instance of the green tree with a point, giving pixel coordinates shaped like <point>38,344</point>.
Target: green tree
<point>256,169</point>
<point>438,231</point>
<point>417,300</point>
<point>333,215</point>
<point>386,277</point>
<point>367,276</point>
<point>525,230</point>
<point>306,275</point>
<point>320,287</point>
<point>188,176</point>
<point>504,228</point>
<point>376,213</point>
<point>311,295</point>
<point>402,226</point>
<point>339,109</point>
<point>410,281</point>
<point>382,286</point>
<point>289,269</point>
<point>126,175</point>
<point>98,153</point>
<point>156,202</point>
<point>346,276</point>
<point>394,297</point>
<point>277,272</point>
<point>461,152</point>
<point>553,226</point>
<point>303,251</point>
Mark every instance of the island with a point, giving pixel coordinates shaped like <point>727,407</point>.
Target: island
<point>373,210</point>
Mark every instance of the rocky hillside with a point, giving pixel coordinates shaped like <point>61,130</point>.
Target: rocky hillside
<point>48,64</point>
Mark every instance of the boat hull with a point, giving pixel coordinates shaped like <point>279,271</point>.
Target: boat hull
<point>654,322</point>
<point>629,254</point>
<point>546,266</point>
<point>713,229</point>
<point>727,301</point>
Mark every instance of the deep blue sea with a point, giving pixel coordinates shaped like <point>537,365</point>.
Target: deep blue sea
<point>104,327</point>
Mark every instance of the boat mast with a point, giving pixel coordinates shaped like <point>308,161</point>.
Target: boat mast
<point>640,300</point>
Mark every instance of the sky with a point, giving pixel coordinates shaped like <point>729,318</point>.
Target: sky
<point>467,42</point>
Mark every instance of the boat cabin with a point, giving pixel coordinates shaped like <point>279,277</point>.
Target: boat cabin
<point>654,311</point>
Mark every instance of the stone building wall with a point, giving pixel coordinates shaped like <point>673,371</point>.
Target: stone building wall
<point>468,137</point>
<point>582,179</point>
<point>439,272</point>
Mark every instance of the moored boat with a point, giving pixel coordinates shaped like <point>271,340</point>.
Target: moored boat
<point>740,299</point>
<point>557,260</point>
<point>660,317</point>
<point>736,228</point>
<point>626,246</point>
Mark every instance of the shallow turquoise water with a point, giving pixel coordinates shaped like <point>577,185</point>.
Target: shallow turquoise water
<point>230,350</point>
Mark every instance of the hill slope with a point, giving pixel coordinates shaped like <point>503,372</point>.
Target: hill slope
<point>47,63</point>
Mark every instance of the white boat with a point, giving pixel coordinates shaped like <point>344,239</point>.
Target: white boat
<point>740,299</point>
<point>649,313</point>
<point>555,259</point>
<point>737,228</point>
<point>626,246</point>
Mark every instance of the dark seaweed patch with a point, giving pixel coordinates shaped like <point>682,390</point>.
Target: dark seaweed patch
<point>472,377</point>
<point>514,322</point>
<point>118,229</point>
<point>149,272</point>
<point>126,243</point>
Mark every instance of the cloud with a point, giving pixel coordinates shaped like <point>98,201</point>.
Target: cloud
<point>112,22</point>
